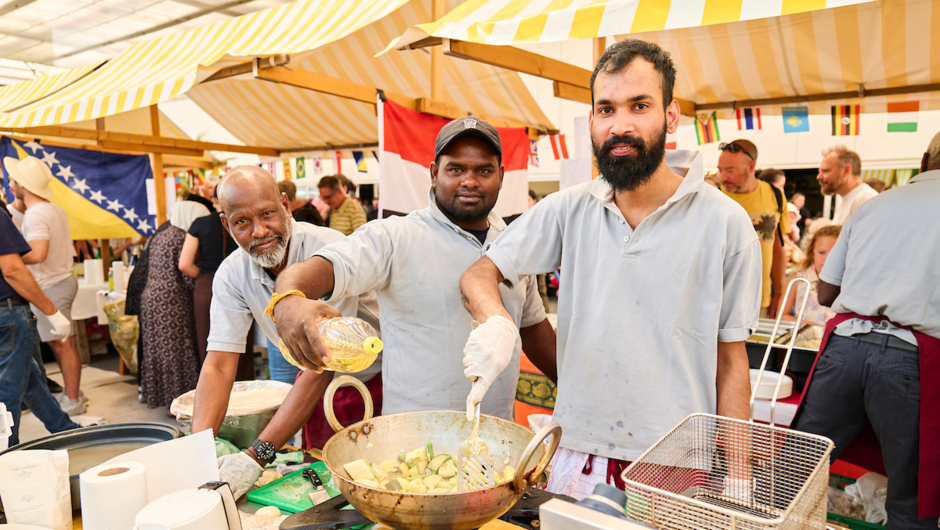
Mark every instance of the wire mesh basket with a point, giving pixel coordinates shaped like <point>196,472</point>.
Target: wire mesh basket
<point>715,472</point>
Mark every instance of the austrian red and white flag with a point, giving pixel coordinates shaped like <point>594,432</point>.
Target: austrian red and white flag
<point>406,145</point>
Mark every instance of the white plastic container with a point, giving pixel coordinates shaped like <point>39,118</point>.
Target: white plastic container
<point>6,426</point>
<point>769,382</point>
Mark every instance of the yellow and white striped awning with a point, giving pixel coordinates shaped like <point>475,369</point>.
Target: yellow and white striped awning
<point>263,113</point>
<point>160,69</point>
<point>884,175</point>
<point>23,93</point>
<point>504,22</point>
<point>890,43</point>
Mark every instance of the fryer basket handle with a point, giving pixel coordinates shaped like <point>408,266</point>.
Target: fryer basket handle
<point>338,382</point>
<point>523,479</point>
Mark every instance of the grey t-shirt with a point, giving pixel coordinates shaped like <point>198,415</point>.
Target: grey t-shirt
<point>882,259</point>
<point>640,312</point>
<point>414,264</point>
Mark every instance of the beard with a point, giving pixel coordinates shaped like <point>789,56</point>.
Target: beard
<point>274,256</point>
<point>629,172</point>
<point>829,189</point>
<point>461,212</point>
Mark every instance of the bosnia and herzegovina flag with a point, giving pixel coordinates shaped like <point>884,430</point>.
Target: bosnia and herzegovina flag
<point>406,146</point>
<point>104,194</point>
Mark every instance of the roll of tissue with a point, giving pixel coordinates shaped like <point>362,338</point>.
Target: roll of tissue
<point>112,494</point>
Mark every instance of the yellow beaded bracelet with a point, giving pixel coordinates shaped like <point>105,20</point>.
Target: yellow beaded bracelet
<point>275,298</point>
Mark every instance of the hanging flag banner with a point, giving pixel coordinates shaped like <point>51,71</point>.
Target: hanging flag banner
<point>287,169</point>
<point>104,194</point>
<point>670,140</point>
<point>902,117</point>
<point>338,161</point>
<point>317,164</point>
<point>559,147</point>
<point>748,119</point>
<point>706,128</point>
<point>795,119</point>
<point>360,159</point>
<point>301,167</point>
<point>845,120</point>
<point>533,153</point>
<point>406,149</point>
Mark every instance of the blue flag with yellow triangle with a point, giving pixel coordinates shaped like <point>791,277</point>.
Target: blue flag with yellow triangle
<point>104,194</point>
<point>360,159</point>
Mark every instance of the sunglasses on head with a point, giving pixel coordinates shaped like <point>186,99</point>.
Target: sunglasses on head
<point>734,148</point>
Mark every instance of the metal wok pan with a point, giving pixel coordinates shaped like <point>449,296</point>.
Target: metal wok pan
<point>383,438</point>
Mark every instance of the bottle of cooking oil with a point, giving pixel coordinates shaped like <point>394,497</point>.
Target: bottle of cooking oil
<point>353,344</point>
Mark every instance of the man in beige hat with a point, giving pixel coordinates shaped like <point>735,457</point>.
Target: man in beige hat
<point>46,229</point>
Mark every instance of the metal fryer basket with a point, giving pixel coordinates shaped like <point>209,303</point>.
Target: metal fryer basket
<point>680,482</point>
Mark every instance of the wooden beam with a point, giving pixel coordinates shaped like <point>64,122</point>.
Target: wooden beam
<point>600,46</point>
<point>247,68</point>
<point>437,56</point>
<point>571,92</point>
<point>147,143</point>
<point>142,148</point>
<point>858,94</point>
<point>519,60</point>
<point>187,162</point>
<point>99,126</point>
<point>159,191</point>
<point>320,83</point>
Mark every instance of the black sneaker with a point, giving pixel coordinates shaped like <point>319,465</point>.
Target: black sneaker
<point>54,388</point>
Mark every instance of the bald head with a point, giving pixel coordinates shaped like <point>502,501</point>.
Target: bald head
<point>247,180</point>
<point>932,156</point>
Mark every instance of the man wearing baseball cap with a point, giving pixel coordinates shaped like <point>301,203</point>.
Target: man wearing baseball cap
<point>46,229</point>
<point>414,263</point>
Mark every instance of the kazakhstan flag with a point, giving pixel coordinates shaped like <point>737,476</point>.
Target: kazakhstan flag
<point>104,194</point>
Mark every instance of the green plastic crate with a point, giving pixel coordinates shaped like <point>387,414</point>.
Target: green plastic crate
<point>854,524</point>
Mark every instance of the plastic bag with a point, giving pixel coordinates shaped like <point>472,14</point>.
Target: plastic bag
<point>871,489</point>
<point>34,486</point>
<point>841,503</point>
<point>124,333</point>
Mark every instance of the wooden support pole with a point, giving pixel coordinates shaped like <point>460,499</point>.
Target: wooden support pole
<point>437,56</point>
<point>158,186</point>
<point>600,45</point>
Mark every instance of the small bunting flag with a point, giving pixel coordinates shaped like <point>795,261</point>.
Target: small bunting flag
<point>795,119</point>
<point>845,120</point>
<point>301,167</point>
<point>706,128</point>
<point>533,153</point>
<point>748,118</point>
<point>287,169</point>
<point>360,159</point>
<point>902,117</point>
<point>559,148</point>
<point>670,140</point>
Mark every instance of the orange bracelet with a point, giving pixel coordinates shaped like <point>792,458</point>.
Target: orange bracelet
<point>275,298</point>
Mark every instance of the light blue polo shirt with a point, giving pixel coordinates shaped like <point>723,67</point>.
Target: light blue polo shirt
<point>242,289</point>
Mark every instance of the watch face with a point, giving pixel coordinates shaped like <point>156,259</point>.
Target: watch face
<point>264,449</point>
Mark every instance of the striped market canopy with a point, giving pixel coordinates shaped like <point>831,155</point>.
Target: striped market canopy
<point>26,92</point>
<point>891,177</point>
<point>885,44</point>
<point>162,68</point>
<point>262,113</point>
<point>504,22</point>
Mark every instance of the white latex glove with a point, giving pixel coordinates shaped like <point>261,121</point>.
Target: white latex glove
<point>61,326</point>
<point>486,354</point>
<point>240,471</point>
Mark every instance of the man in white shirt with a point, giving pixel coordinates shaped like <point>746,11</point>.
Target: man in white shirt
<point>46,229</point>
<point>840,173</point>
<point>661,283</point>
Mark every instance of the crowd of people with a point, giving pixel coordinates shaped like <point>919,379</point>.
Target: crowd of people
<point>666,273</point>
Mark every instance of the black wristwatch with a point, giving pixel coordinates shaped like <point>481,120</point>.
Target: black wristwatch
<point>264,450</point>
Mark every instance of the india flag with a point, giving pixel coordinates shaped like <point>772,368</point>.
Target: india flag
<point>902,117</point>
<point>406,145</point>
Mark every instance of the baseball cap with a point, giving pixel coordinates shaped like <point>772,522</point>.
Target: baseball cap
<point>467,126</point>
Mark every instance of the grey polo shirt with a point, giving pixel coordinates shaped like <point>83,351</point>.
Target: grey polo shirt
<point>241,291</point>
<point>882,260</point>
<point>640,312</point>
<point>414,264</point>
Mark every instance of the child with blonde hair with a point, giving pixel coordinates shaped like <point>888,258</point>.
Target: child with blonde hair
<point>816,252</point>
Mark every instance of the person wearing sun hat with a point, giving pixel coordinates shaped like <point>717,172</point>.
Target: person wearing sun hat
<point>46,229</point>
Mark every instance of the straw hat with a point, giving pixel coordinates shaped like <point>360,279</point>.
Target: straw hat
<point>31,173</point>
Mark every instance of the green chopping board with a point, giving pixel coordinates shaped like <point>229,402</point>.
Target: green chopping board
<point>291,493</point>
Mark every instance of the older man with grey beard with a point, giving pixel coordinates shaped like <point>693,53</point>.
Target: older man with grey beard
<point>257,216</point>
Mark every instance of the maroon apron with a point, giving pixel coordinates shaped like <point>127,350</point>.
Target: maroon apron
<point>865,450</point>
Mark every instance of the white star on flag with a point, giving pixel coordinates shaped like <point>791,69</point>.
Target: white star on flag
<point>80,185</point>
<point>49,158</point>
<point>65,172</point>
<point>32,145</point>
<point>130,215</point>
<point>143,226</point>
<point>115,205</point>
<point>96,196</point>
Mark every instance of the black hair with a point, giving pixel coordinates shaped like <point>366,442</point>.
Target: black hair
<point>621,54</point>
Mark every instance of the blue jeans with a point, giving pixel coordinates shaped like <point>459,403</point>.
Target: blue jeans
<point>280,369</point>
<point>20,377</point>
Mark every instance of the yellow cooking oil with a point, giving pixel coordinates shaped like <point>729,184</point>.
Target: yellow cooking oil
<point>353,344</point>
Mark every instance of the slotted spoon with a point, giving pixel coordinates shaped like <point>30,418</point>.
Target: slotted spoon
<point>473,470</point>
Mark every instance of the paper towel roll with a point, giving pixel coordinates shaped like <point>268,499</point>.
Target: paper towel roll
<point>94,272</point>
<point>117,272</point>
<point>112,494</point>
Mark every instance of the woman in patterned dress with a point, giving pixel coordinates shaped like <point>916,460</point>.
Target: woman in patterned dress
<point>170,356</point>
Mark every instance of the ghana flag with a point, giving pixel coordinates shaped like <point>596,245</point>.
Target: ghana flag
<point>706,129</point>
<point>845,120</point>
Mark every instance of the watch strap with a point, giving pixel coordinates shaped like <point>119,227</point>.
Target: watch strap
<point>264,450</point>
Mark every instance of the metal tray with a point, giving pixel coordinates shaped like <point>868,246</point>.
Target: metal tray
<point>96,438</point>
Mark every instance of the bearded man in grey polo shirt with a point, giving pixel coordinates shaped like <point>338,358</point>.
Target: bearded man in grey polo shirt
<point>414,263</point>
<point>661,282</point>
<point>257,216</point>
